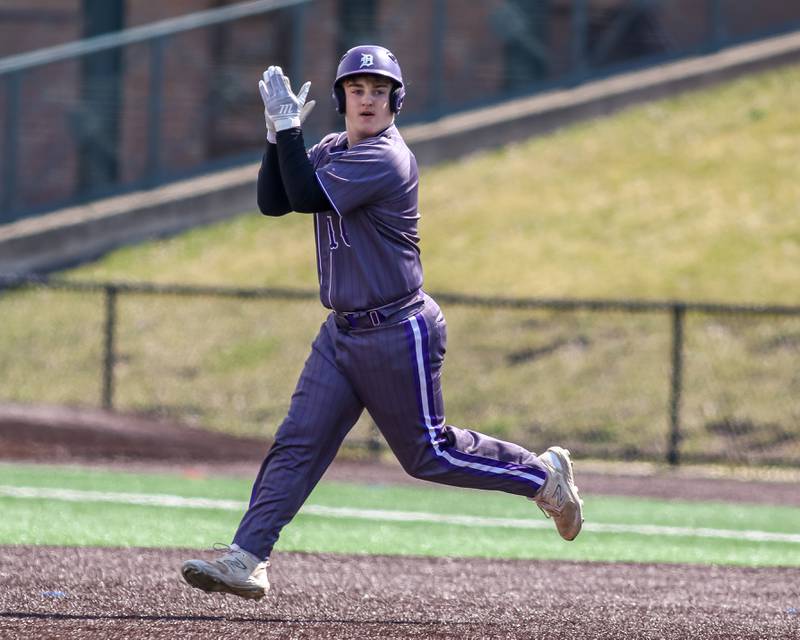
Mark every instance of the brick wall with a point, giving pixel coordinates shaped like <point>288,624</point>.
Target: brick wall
<point>211,109</point>
<point>26,25</point>
<point>45,167</point>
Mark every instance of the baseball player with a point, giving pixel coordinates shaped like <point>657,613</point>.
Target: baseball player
<point>382,346</point>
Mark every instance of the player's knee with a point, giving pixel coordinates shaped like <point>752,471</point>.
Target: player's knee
<point>426,461</point>
<point>421,467</point>
<point>415,472</point>
<point>411,465</point>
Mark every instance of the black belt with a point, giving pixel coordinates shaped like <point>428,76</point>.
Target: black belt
<point>387,314</point>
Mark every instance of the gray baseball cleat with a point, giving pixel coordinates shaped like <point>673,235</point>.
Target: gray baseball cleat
<point>236,571</point>
<point>559,498</point>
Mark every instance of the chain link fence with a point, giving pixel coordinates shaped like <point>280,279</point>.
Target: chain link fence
<point>623,380</point>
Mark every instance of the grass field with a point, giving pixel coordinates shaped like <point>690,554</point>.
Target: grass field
<point>340,517</point>
<point>694,197</point>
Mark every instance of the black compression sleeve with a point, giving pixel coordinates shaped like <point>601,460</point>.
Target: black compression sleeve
<point>272,200</point>
<point>299,179</point>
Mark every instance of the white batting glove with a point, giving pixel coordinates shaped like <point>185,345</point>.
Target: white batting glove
<point>300,98</point>
<point>308,107</point>
<point>262,89</point>
<point>282,105</point>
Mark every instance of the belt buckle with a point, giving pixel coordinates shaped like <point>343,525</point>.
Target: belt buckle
<point>375,318</point>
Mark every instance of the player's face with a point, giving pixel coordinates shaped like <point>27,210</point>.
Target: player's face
<point>367,111</point>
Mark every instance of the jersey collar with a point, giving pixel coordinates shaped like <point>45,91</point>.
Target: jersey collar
<point>388,132</point>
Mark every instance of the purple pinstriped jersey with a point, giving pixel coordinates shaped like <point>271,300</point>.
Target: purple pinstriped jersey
<point>367,246</point>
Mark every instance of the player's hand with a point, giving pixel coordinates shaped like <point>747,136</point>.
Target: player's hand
<point>262,89</point>
<point>282,107</point>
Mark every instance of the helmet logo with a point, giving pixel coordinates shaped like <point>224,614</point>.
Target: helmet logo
<point>366,60</point>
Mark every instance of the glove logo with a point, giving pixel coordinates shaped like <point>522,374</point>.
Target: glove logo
<point>366,60</point>
<point>285,109</point>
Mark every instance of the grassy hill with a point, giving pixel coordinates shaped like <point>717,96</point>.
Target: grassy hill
<point>695,197</point>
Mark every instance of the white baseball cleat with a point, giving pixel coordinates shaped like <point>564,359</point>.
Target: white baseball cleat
<point>236,571</point>
<point>559,498</point>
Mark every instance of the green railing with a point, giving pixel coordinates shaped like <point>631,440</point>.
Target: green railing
<point>146,105</point>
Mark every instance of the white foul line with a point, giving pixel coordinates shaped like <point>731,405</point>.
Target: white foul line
<point>164,500</point>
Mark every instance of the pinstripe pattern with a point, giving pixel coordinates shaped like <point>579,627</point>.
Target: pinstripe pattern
<point>324,408</point>
<point>367,245</point>
<point>367,257</point>
<point>394,371</point>
<point>418,345</point>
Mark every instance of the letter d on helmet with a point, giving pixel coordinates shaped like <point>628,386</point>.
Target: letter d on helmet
<point>374,60</point>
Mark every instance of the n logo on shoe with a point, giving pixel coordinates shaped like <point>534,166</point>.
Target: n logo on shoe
<point>235,563</point>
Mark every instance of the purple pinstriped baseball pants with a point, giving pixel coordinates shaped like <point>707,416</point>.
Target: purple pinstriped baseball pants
<point>394,371</point>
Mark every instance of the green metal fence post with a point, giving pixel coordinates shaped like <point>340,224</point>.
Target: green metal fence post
<point>11,130</point>
<point>716,26</point>
<point>676,385</point>
<point>298,66</point>
<point>579,40</point>
<point>436,80</point>
<point>374,442</point>
<point>109,357</point>
<point>155,95</point>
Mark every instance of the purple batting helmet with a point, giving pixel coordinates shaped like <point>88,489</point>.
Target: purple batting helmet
<point>369,59</point>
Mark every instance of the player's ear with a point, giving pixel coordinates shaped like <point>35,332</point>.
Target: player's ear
<point>396,98</point>
<point>337,95</point>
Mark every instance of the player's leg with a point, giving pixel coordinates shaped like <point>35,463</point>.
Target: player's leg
<point>397,372</point>
<point>401,387</point>
<point>322,411</point>
<point>324,408</point>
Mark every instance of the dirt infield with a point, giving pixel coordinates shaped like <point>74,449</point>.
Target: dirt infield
<point>138,593</point>
<point>74,593</point>
<point>134,442</point>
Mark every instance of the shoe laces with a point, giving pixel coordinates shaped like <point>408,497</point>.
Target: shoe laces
<point>233,557</point>
<point>546,509</point>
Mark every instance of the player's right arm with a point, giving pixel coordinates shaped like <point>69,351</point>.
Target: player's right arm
<point>286,179</point>
<point>272,197</point>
